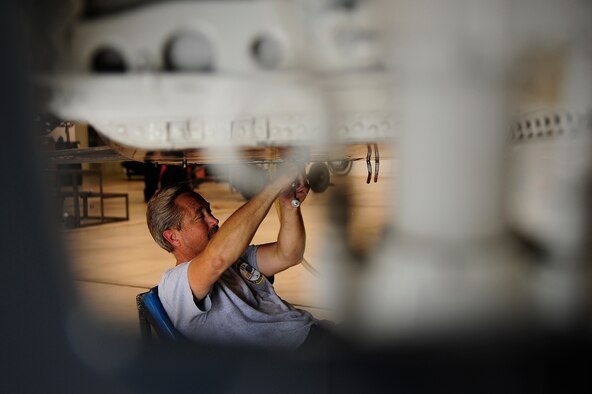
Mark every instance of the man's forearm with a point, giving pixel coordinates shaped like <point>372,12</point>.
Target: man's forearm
<point>292,236</point>
<point>237,232</point>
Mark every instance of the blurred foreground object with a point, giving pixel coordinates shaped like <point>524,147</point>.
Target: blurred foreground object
<point>493,104</point>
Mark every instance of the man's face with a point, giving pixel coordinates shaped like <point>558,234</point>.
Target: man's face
<point>198,225</point>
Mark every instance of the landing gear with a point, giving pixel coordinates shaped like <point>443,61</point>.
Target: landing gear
<point>319,177</point>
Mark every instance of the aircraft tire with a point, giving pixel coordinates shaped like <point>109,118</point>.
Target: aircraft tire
<point>319,177</point>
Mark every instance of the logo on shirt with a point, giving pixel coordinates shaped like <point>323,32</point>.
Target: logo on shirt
<point>250,273</point>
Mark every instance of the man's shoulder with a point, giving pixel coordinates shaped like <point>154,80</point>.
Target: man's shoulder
<point>173,275</point>
<point>174,287</point>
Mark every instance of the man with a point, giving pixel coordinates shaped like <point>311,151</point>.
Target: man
<point>219,290</point>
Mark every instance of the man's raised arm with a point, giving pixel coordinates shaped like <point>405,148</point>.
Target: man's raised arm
<point>233,237</point>
<point>289,248</point>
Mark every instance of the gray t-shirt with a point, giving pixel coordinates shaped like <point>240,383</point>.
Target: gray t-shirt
<point>241,308</point>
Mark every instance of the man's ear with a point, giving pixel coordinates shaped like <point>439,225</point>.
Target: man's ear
<point>171,236</point>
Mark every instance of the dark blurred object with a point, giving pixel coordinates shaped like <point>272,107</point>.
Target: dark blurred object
<point>94,138</point>
<point>68,144</point>
<point>38,295</point>
<point>171,175</point>
<point>151,175</point>
<point>135,168</point>
<point>99,8</point>
<point>45,122</point>
<point>159,175</point>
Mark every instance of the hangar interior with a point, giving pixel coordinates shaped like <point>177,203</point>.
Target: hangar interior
<point>478,114</point>
<point>113,262</point>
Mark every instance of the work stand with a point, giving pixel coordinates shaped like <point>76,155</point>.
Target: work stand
<point>69,191</point>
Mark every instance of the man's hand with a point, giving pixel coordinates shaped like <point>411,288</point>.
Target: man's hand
<point>297,190</point>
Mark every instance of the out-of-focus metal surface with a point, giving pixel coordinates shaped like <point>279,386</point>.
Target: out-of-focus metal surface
<point>467,75</point>
<point>185,75</point>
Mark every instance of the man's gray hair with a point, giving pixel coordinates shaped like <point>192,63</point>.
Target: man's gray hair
<point>163,213</point>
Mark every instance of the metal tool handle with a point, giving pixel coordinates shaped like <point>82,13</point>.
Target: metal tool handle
<point>295,201</point>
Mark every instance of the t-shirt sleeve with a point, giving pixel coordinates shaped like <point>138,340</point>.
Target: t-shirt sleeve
<point>250,256</point>
<point>177,298</point>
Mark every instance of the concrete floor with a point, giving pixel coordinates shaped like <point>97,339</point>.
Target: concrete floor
<point>111,263</point>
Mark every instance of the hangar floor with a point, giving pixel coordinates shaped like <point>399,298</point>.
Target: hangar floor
<point>111,263</point>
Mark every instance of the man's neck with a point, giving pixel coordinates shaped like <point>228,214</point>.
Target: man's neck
<point>181,258</point>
